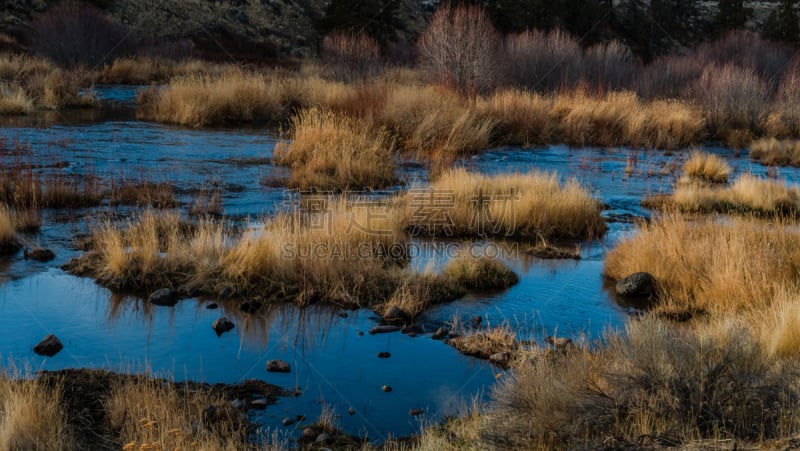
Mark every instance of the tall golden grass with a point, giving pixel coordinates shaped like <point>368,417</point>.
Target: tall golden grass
<point>700,264</point>
<point>145,70</point>
<point>32,417</point>
<point>8,232</point>
<point>199,99</point>
<point>774,152</point>
<point>529,206</point>
<point>330,151</point>
<point>747,195</point>
<point>706,167</point>
<point>14,100</point>
<point>482,273</point>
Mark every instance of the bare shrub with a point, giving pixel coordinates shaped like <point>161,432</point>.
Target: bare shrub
<point>543,61</point>
<point>668,77</point>
<point>460,49</point>
<point>610,66</point>
<point>351,57</point>
<point>748,50</point>
<point>74,34</point>
<point>734,97</point>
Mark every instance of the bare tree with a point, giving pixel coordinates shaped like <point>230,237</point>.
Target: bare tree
<point>461,48</point>
<point>351,57</point>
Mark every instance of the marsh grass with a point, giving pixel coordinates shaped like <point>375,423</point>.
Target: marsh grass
<point>701,264</point>
<point>523,206</point>
<point>651,384</point>
<point>26,185</point>
<point>14,100</point>
<point>31,416</point>
<point>480,273</point>
<point>200,99</point>
<point>774,152</point>
<point>142,193</point>
<point>418,292</point>
<point>706,167</point>
<point>749,195</point>
<point>330,151</point>
<point>8,230</point>
<point>483,343</point>
<point>146,70</point>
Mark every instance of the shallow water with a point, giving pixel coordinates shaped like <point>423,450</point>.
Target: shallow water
<point>331,362</point>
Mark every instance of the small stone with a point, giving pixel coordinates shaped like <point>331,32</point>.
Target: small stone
<point>394,313</point>
<point>342,314</point>
<point>322,438</point>
<point>287,421</point>
<point>638,284</point>
<point>39,254</point>
<point>309,434</point>
<point>212,306</point>
<point>441,333</point>
<point>222,325</point>
<point>383,329</point>
<point>259,404</point>
<point>250,306</point>
<point>412,334</point>
<point>416,412</point>
<point>237,404</point>
<point>384,355</point>
<point>164,297</point>
<point>278,366</point>
<point>351,411</point>
<point>49,347</point>
<point>360,333</point>
<point>412,329</point>
<point>477,321</point>
<point>386,388</point>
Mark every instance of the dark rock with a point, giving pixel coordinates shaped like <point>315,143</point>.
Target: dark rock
<point>440,334</point>
<point>360,332</point>
<point>384,355</point>
<point>309,434</point>
<point>394,314</point>
<point>259,404</point>
<point>237,404</point>
<point>164,297</point>
<point>477,321</point>
<point>412,329</point>
<point>639,284</point>
<point>48,347</point>
<point>222,325</point>
<point>322,438</point>
<point>351,411</point>
<point>500,358</point>
<point>386,388</point>
<point>287,421</point>
<point>212,306</point>
<point>383,329</point>
<point>412,334</point>
<point>416,412</point>
<point>39,254</point>
<point>278,366</point>
<point>250,306</point>
<point>342,314</point>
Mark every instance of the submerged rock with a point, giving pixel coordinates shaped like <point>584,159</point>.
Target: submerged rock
<point>287,421</point>
<point>383,329</point>
<point>278,366</point>
<point>49,347</point>
<point>222,325</point>
<point>412,329</point>
<point>164,297</point>
<point>386,388</point>
<point>39,254</point>
<point>384,355</point>
<point>638,284</point>
<point>416,412</point>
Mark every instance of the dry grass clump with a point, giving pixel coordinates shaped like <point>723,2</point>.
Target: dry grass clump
<point>31,416</point>
<point>748,195</point>
<point>143,193</point>
<point>706,265</point>
<point>14,100</point>
<point>329,151</point>
<point>8,231</point>
<point>26,186</point>
<point>706,167</point>
<point>652,385</point>
<point>483,343</point>
<point>480,273</point>
<point>199,99</point>
<point>774,152</point>
<point>519,117</point>
<point>144,70</point>
<point>417,292</point>
<point>345,252</point>
<point>147,413</point>
<point>620,118</point>
<point>528,206</point>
